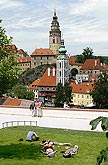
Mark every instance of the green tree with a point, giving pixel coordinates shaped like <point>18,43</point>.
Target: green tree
<point>63,94</point>
<point>5,43</point>
<point>103,156</point>
<point>100,91</point>
<point>59,96</point>
<point>67,93</point>
<point>8,66</point>
<point>87,53</point>
<point>21,92</point>
<point>80,58</point>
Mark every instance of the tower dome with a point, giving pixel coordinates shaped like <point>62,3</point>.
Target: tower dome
<point>62,47</point>
<point>62,51</point>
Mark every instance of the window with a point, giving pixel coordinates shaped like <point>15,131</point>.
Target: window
<point>60,73</point>
<point>60,64</point>
<point>87,97</point>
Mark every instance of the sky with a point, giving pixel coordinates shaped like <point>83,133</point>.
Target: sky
<point>83,23</point>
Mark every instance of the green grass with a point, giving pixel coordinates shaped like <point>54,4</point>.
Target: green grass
<point>13,152</point>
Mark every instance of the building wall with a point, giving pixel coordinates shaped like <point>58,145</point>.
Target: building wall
<point>62,71</point>
<point>82,99</point>
<point>40,60</point>
<point>76,67</point>
<point>91,72</point>
<point>82,77</point>
<point>24,66</point>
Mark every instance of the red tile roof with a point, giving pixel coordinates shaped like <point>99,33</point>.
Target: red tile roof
<point>21,51</point>
<point>12,102</point>
<point>72,60</point>
<point>84,88</point>
<point>45,80</point>
<point>43,52</point>
<point>34,85</point>
<point>24,59</point>
<point>94,77</point>
<point>92,64</point>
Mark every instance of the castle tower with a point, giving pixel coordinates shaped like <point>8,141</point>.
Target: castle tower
<point>62,74</point>
<point>55,35</point>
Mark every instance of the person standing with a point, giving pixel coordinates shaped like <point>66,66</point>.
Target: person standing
<point>32,108</point>
<point>39,109</point>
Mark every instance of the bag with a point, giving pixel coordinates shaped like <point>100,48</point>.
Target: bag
<point>67,155</point>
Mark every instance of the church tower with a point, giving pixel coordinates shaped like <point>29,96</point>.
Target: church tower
<point>55,35</point>
<point>62,74</point>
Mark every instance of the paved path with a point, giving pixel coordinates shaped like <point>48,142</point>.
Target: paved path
<point>74,120</point>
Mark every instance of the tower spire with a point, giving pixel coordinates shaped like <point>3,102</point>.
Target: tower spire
<point>55,35</point>
<point>54,12</point>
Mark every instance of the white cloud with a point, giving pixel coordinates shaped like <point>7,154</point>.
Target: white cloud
<point>82,22</point>
<point>7,4</point>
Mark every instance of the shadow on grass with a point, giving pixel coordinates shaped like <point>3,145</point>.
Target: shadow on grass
<point>20,151</point>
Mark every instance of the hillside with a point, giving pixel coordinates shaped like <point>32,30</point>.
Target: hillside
<point>30,75</point>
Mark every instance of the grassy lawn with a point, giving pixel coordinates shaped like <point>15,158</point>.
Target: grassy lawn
<point>13,152</point>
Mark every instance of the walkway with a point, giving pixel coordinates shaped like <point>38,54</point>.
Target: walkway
<point>74,120</point>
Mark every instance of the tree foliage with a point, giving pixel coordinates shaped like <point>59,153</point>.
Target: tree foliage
<point>8,65</point>
<point>59,95</point>
<point>5,43</point>
<point>32,74</point>
<point>103,156</point>
<point>21,92</point>
<point>67,93</point>
<point>100,91</point>
<point>63,94</point>
<point>80,58</point>
<point>87,53</point>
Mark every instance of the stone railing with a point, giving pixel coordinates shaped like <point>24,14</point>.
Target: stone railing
<point>19,123</point>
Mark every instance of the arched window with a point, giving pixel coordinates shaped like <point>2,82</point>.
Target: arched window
<point>60,73</point>
<point>53,40</point>
<point>60,64</point>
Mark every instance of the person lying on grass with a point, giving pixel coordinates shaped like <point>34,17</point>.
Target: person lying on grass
<point>71,152</point>
<point>50,152</point>
<point>45,142</point>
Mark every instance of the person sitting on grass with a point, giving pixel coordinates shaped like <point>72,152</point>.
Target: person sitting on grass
<point>71,152</point>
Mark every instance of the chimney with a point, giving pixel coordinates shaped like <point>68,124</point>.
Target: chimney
<point>53,71</point>
<point>48,71</point>
<point>95,62</point>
